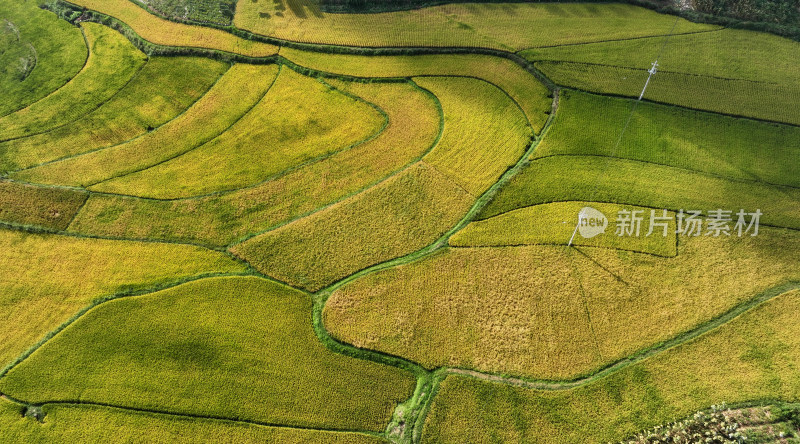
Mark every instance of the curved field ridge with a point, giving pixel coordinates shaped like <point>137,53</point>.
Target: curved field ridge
<point>509,26</point>
<point>79,422</point>
<point>749,358</point>
<point>555,223</point>
<point>531,95</point>
<point>233,96</point>
<point>142,105</point>
<point>401,215</point>
<point>300,120</point>
<point>414,126</point>
<point>59,48</point>
<point>48,278</point>
<point>185,350</point>
<point>549,312</point>
<point>112,62</point>
<point>164,32</point>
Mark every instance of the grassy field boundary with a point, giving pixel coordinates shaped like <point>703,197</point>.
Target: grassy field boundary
<point>75,403</point>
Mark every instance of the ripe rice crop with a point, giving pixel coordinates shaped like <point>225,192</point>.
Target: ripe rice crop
<point>230,98</point>
<point>183,350</point>
<point>59,48</point>
<point>401,215</point>
<point>739,149</point>
<point>47,278</point>
<point>500,26</point>
<point>485,132</point>
<point>628,182</point>
<point>414,125</point>
<point>751,357</point>
<point>76,423</point>
<point>44,207</point>
<point>112,62</point>
<point>163,32</point>
<point>298,121</point>
<point>555,224</point>
<point>531,95</point>
<point>549,312</point>
<point>141,105</point>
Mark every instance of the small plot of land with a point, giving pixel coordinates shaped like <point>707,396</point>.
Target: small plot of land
<point>510,26</point>
<point>557,224</point>
<point>139,107</point>
<point>112,62</point>
<point>59,48</point>
<point>299,120</point>
<point>74,423</point>
<point>414,126</point>
<point>231,97</point>
<point>46,279</point>
<point>549,312</point>
<point>52,208</point>
<point>163,32</point>
<point>751,357</point>
<point>238,347</point>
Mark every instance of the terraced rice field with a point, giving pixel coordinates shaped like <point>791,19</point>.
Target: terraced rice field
<point>256,221</point>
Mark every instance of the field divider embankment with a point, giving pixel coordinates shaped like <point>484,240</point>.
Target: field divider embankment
<point>643,37</point>
<point>186,415</point>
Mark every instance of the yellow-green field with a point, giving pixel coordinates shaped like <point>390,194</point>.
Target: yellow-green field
<point>508,26</point>
<point>401,215</point>
<point>754,357</point>
<point>112,62</point>
<point>164,32</point>
<point>185,350</point>
<point>233,96</point>
<point>140,106</point>
<point>556,224</point>
<point>53,208</point>
<point>46,279</point>
<point>530,94</point>
<point>485,132</point>
<point>72,423</point>
<point>282,131</point>
<point>552,312</point>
